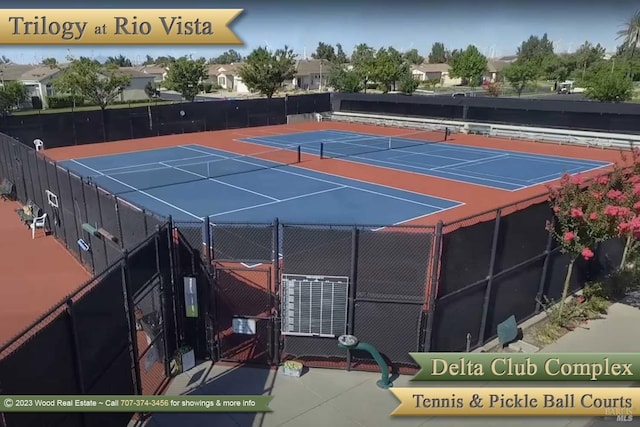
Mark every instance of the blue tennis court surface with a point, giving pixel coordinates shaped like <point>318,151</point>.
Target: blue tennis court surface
<point>501,169</point>
<point>191,182</point>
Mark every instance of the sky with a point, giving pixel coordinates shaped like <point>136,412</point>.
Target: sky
<point>497,27</point>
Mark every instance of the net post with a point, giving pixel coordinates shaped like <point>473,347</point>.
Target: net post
<point>322,150</point>
<point>299,150</point>
<point>446,133</point>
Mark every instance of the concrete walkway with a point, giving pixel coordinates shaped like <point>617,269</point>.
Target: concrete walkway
<point>324,397</point>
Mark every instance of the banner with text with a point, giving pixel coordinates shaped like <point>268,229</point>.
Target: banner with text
<point>527,367</point>
<point>119,26</point>
<point>135,403</point>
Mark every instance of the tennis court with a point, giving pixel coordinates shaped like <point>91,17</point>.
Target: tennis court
<point>500,169</point>
<point>191,182</point>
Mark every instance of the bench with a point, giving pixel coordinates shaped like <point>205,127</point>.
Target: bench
<point>28,212</point>
<point>478,129</point>
<point>7,190</point>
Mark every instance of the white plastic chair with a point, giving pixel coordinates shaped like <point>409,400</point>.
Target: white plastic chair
<point>39,144</point>
<point>38,222</point>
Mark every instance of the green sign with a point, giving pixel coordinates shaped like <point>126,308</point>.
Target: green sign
<point>135,403</point>
<point>527,367</point>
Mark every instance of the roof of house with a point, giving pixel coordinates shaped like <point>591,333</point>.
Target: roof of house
<point>431,68</point>
<point>152,69</point>
<point>39,73</point>
<point>496,65</point>
<point>133,72</point>
<point>228,69</point>
<point>305,67</point>
<point>14,72</point>
<point>508,58</point>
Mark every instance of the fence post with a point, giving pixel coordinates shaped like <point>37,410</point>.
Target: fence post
<point>86,216</point>
<point>56,211</point>
<point>131,315</point>
<point>352,289</point>
<point>487,292</point>
<point>274,324</point>
<point>545,269</point>
<point>75,217</point>
<point>163,305</point>
<point>103,241</point>
<point>119,220</point>
<point>433,291</point>
<point>210,293</point>
<point>174,279</point>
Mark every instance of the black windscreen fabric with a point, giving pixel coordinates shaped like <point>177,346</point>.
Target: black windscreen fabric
<point>522,236</point>
<point>103,305</point>
<point>393,264</point>
<point>242,242</point>
<point>237,115</point>
<point>38,192</point>
<point>88,127</point>
<point>391,328</point>
<point>133,223</point>
<point>98,245</point>
<point>41,167</point>
<point>557,272</point>
<point>319,251</point>
<point>455,317</point>
<point>513,293</point>
<point>21,190</point>
<point>142,265</point>
<point>109,222</point>
<point>68,217</point>
<point>26,173</point>
<point>80,212</point>
<point>466,253</point>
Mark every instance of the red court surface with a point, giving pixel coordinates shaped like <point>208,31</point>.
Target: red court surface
<point>476,198</point>
<point>34,274</point>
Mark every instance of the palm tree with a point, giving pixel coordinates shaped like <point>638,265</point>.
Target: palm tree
<point>630,34</point>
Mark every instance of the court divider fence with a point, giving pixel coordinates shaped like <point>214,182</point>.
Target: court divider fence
<point>114,124</point>
<point>268,292</point>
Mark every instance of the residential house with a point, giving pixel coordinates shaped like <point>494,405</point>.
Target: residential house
<point>494,70</point>
<point>227,76</point>
<point>135,90</point>
<point>13,73</point>
<point>158,72</point>
<point>311,74</point>
<point>425,72</point>
<point>39,83</point>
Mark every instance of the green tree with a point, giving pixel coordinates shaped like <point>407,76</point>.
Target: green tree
<point>341,57</point>
<point>387,68</point>
<point>229,57</point>
<point>469,65</point>
<point>324,51</point>
<point>99,84</point>
<point>609,85</point>
<point>413,57</point>
<point>587,56</point>
<point>343,79</point>
<point>149,60</point>
<point>363,60</point>
<point>536,50</point>
<point>150,90</point>
<point>265,72</point>
<point>451,56</point>
<point>118,61</point>
<point>438,54</point>
<point>630,35</point>
<point>185,74</point>
<point>50,62</point>
<point>12,94</point>
<point>519,75</point>
<point>407,84</point>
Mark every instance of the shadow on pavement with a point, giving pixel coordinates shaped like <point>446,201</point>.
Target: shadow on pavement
<point>239,380</point>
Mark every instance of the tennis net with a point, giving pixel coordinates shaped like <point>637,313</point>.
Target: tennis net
<point>364,145</point>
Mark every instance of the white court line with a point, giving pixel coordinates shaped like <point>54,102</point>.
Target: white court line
<point>472,162</point>
<point>140,191</point>
<point>154,163</point>
<point>220,182</point>
<point>349,186</point>
<point>125,152</point>
<point>138,170</point>
<point>283,200</point>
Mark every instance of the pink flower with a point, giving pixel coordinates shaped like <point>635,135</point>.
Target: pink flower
<point>636,206</point>
<point>634,179</point>
<point>636,189</point>
<point>569,236</point>
<point>603,180</point>
<point>576,179</point>
<point>614,194</point>
<point>593,216</point>
<point>596,195</point>
<point>556,209</point>
<point>624,227</point>
<point>610,210</point>
<point>576,213</point>
<point>587,254</point>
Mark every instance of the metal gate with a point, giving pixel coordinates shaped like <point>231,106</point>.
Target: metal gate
<point>246,314</point>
